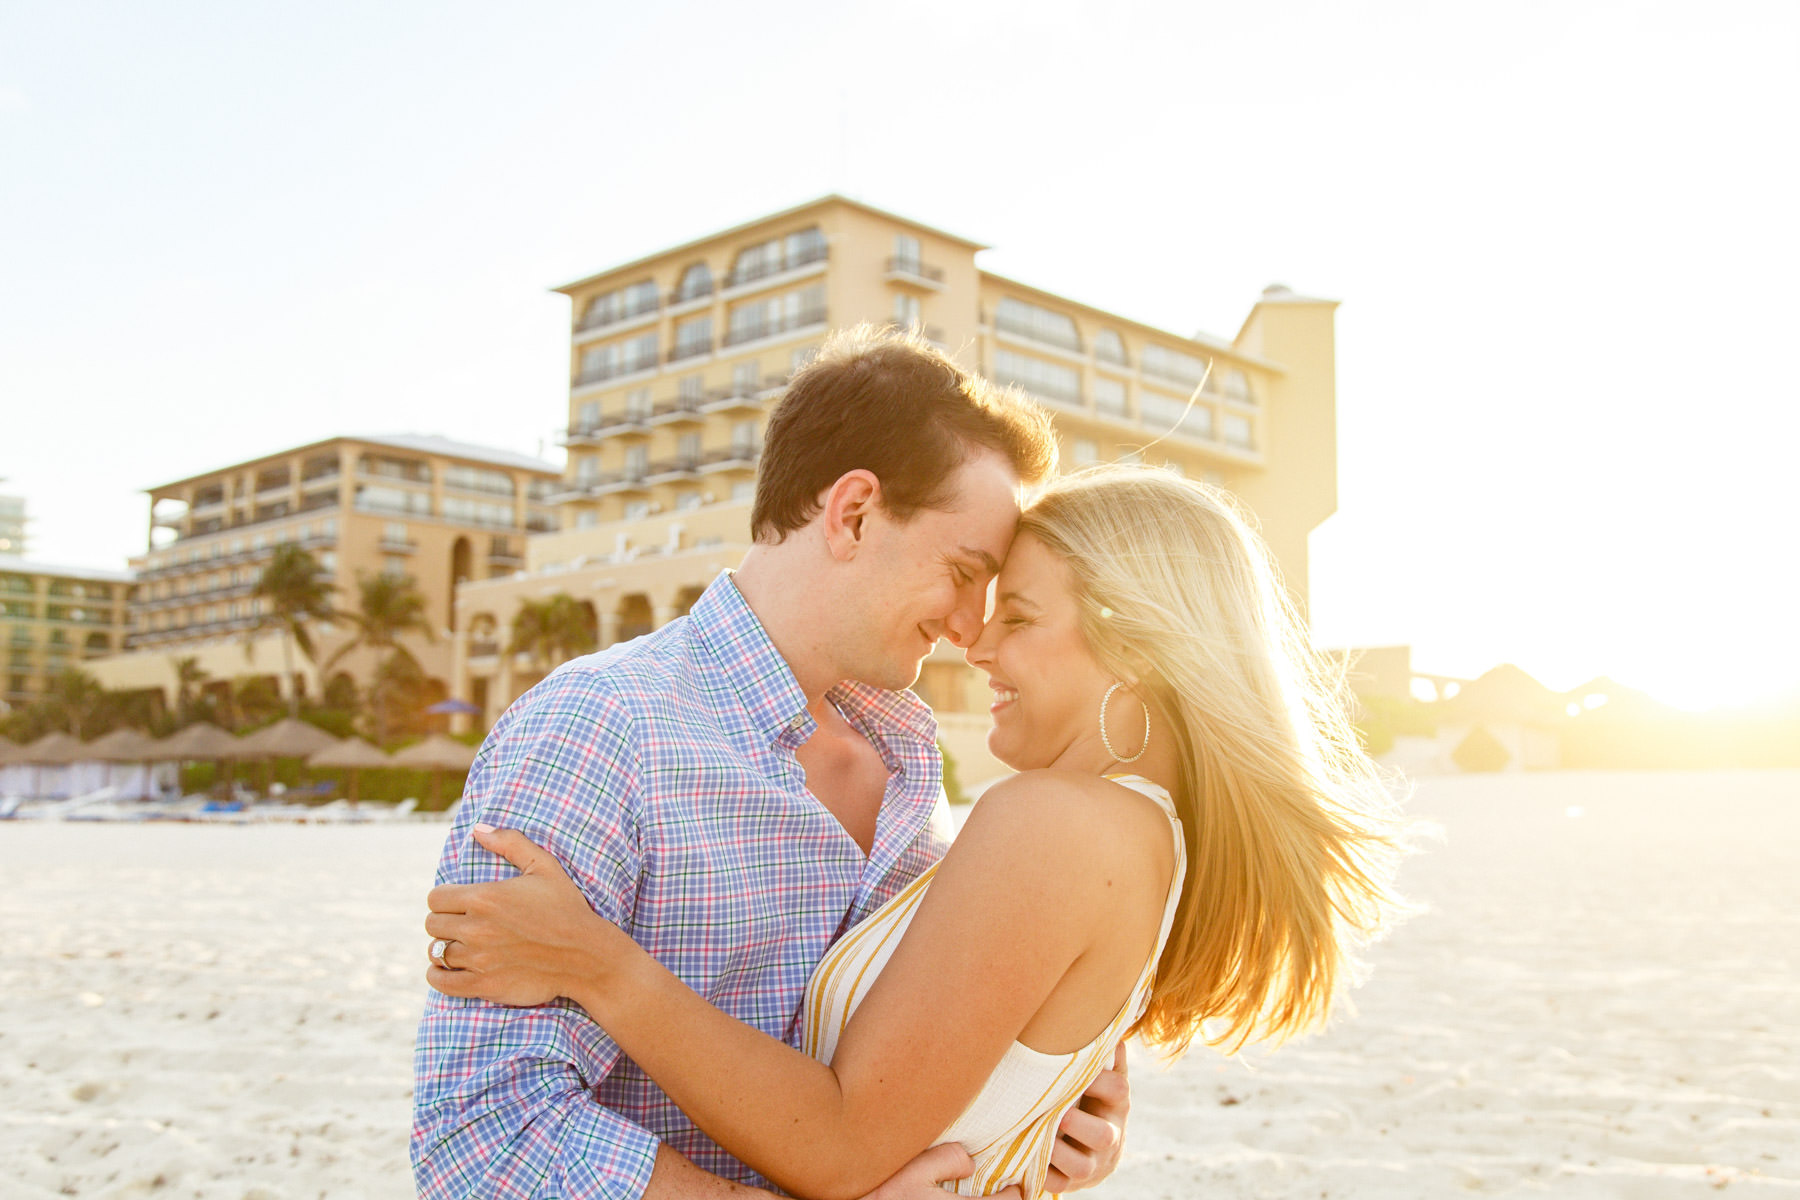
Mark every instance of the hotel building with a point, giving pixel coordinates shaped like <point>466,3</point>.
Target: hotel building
<point>437,510</point>
<point>12,526</point>
<point>675,360</point>
<point>53,618</point>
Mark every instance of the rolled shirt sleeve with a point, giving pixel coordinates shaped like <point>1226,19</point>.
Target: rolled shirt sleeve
<point>503,1101</point>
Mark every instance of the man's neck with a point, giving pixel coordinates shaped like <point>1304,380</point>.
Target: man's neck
<point>784,609</point>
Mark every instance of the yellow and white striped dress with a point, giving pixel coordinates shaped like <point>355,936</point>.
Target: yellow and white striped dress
<point>1009,1129</point>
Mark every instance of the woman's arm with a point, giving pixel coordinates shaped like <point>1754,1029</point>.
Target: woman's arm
<point>991,940</point>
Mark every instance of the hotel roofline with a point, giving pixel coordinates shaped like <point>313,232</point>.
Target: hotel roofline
<point>771,219</point>
<point>418,443</point>
<point>1205,340</point>
<point>28,566</point>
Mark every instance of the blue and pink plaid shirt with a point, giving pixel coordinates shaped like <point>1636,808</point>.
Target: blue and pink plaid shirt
<point>661,773</point>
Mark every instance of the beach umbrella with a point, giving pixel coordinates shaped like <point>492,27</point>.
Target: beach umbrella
<point>52,750</point>
<point>120,746</point>
<point>287,738</point>
<point>352,754</point>
<point>9,751</point>
<point>437,754</point>
<point>201,740</point>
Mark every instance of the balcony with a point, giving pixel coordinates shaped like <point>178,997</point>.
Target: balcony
<point>1042,337</point>
<point>485,649</point>
<point>607,318</point>
<point>690,349</point>
<point>505,558</point>
<point>740,457</point>
<point>752,273</point>
<point>755,331</point>
<point>672,470</point>
<point>911,270</point>
<point>609,425</point>
<point>398,545</point>
<point>612,371</point>
<point>605,483</point>
<point>683,410</point>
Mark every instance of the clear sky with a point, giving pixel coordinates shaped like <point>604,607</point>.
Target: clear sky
<point>1563,235</point>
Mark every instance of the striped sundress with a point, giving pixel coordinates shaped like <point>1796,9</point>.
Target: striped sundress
<point>1009,1129</point>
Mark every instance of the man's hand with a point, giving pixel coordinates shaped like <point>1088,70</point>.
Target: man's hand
<point>1093,1132</point>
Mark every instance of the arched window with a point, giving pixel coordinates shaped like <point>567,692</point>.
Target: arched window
<point>1108,347</point>
<point>696,281</point>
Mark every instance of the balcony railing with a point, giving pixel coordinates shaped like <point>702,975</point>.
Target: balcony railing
<point>484,649</point>
<point>751,331</point>
<point>1045,337</point>
<point>396,545</point>
<point>912,268</point>
<point>681,410</point>
<point>616,370</point>
<point>615,316</point>
<point>671,470</point>
<point>741,454</point>
<point>752,272</point>
<point>689,295</point>
<point>693,348</point>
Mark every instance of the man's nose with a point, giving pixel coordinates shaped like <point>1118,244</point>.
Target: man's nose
<point>964,623</point>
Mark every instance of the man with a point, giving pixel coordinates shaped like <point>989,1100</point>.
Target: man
<point>740,787</point>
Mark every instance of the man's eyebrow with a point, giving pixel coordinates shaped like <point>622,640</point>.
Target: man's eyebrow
<point>988,562</point>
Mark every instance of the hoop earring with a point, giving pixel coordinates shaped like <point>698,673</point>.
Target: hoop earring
<point>1107,742</point>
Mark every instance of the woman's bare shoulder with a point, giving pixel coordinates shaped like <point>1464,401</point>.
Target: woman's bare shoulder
<point>1083,819</point>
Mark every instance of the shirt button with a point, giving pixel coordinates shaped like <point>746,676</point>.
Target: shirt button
<point>797,724</point>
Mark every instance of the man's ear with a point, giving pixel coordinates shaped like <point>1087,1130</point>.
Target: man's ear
<point>846,507</point>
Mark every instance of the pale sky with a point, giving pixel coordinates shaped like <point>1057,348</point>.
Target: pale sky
<point>1563,235</point>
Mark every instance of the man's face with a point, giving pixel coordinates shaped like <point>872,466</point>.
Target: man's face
<point>927,577</point>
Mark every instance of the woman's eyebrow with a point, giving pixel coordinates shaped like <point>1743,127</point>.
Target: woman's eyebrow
<point>1019,598</point>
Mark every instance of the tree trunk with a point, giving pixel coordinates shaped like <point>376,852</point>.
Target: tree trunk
<point>287,659</point>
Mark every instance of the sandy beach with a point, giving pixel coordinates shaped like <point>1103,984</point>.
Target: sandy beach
<point>1602,1000</point>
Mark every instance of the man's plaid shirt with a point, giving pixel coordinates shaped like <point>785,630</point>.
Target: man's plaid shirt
<point>661,773</point>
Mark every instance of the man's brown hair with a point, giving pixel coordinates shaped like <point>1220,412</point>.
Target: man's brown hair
<point>888,403</point>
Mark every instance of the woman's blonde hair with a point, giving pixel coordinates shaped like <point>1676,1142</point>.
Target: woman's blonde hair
<point>1292,837</point>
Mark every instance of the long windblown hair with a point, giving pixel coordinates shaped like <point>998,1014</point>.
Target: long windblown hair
<point>1292,837</point>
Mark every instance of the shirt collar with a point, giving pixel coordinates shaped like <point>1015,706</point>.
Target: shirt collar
<point>766,686</point>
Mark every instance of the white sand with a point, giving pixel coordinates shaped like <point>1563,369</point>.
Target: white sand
<point>1598,1005</point>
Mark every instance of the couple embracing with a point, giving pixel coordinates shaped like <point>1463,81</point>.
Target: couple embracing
<point>698,931</point>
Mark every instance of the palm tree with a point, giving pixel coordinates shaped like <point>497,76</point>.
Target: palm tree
<point>295,586</point>
<point>74,697</point>
<point>553,630</point>
<point>389,606</point>
<point>189,675</point>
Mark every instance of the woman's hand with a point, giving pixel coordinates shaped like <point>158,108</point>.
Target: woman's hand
<point>522,941</point>
<point>919,1179</point>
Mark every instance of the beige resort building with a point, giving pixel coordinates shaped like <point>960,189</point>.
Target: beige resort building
<point>676,359</point>
<point>437,510</point>
<point>53,618</point>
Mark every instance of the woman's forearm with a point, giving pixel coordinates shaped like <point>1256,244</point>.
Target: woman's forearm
<point>780,1112</point>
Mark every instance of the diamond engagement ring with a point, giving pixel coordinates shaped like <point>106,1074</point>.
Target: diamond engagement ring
<point>437,953</point>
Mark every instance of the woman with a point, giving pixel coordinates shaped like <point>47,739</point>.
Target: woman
<point>1223,846</point>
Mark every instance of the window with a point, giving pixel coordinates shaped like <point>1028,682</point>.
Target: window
<point>611,307</point>
<point>1109,395</point>
<point>1132,457</point>
<point>637,404</point>
<point>409,469</point>
<point>768,316</point>
<point>394,500</point>
<point>587,518</point>
<point>479,479</point>
<point>744,378</point>
<point>588,416</point>
<point>688,501</point>
<point>784,254</point>
<point>693,337</point>
<point>393,565</point>
<point>618,358</point>
<point>743,491</point>
<point>1083,451</point>
<point>1166,415</point>
<point>687,447</point>
<point>637,510</point>
<point>906,310</point>
<point>1236,385</point>
<point>1050,380</point>
<point>587,469</point>
<point>690,388</point>
<point>477,512</point>
<point>394,531</point>
<point>906,253</point>
<point>1037,323</point>
<point>1108,347</point>
<point>1237,431</point>
<point>637,461</point>
<point>800,356</point>
<point>696,281</point>
<point>1173,366</point>
<point>743,435</point>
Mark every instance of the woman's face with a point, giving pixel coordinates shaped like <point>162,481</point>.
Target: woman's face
<point>1047,684</point>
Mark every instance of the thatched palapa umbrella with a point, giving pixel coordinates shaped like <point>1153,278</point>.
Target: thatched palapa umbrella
<point>51,750</point>
<point>289,737</point>
<point>199,742</point>
<point>352,754</point>
<point>437,754</point>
